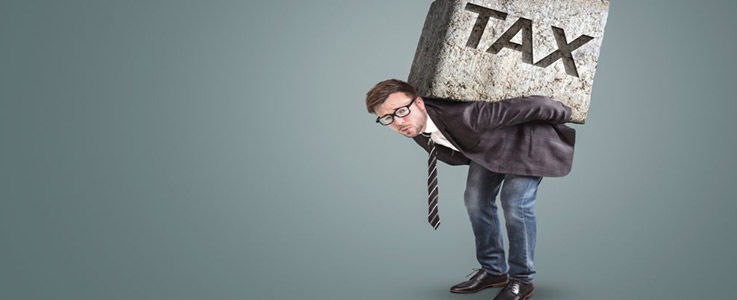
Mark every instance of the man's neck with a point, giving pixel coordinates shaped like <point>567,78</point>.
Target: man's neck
<point>429,124</point>
<point>424,126</point>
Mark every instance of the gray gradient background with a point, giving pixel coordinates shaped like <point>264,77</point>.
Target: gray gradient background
<point>221,150</point>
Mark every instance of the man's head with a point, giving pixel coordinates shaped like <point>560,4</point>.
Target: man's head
<point>397,104</point>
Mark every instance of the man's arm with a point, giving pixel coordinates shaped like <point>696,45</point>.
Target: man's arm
<point>491,115</point>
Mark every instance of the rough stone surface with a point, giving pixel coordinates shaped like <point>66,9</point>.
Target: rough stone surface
<point>455,61</point>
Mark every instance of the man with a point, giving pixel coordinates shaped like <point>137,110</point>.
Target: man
<point>509,146</point>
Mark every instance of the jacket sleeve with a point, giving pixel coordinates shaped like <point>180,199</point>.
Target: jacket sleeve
<point>490,115</point>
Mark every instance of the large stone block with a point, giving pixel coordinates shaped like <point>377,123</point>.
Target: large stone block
<point>490,50</point>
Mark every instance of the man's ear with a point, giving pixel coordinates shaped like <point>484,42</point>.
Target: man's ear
<point>420,103</point>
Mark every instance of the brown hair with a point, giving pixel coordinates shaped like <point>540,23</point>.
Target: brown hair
<point>378,94</point>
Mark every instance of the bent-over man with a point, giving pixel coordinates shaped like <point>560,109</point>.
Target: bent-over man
<point>509,146</point>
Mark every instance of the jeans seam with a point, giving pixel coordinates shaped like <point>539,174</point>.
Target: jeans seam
<point>524,228</point>
<point>494,231</point>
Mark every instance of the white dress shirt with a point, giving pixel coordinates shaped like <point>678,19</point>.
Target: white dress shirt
<point>436,135</point>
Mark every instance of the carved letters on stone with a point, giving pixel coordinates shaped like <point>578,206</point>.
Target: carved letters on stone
<point>525,25</point>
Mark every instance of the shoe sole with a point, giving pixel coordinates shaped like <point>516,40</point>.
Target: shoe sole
<point>529,295</point>
<point>478,290</point>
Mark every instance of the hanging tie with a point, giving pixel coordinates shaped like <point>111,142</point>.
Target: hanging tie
<point>432,186</point>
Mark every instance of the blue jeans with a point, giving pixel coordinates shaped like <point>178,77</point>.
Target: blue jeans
<point>518,195</point>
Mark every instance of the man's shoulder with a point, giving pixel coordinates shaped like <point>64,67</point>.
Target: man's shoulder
<point>452,115</point>
<point>447,102</point>
<point>447,106</point>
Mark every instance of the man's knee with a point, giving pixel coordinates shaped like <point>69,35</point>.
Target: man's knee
<point>473,198</point>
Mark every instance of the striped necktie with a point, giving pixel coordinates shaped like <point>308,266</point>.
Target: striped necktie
<point>432,185</point>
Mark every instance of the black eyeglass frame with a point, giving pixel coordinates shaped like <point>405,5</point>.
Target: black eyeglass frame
<point>394,114</point>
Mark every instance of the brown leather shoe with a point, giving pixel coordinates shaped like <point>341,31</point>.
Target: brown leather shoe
<point>479,282</point>
<point>516,290</point>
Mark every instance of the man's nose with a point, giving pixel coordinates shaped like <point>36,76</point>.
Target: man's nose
<point>399,120</point>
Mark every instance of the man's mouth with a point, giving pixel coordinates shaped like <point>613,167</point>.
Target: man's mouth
<point>405,129</point>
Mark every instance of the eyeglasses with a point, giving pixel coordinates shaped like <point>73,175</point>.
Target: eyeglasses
<point>399,112</point>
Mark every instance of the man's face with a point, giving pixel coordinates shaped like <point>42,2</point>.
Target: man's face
<point>410,125</point>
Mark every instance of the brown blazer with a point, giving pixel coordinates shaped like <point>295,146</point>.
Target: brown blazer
<point>521,136</point>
